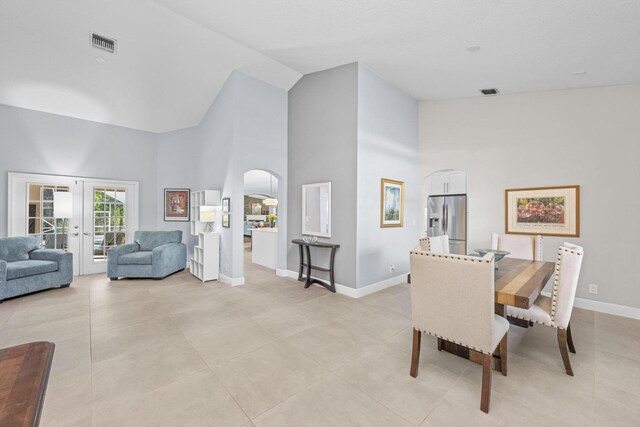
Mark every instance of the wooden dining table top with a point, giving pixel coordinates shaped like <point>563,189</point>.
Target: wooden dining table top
<point>518,282</point>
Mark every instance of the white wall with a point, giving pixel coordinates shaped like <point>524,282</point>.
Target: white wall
<point>323,128</point>
<point>388,147</point>
<point>245,128</point>
<point>36,142</point>
<point>589,137</point>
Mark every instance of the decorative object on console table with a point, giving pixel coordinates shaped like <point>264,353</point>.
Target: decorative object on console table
<point>176,204</point>
<point>547,211</point>
<point>391,203</point>
<point>303,243</point>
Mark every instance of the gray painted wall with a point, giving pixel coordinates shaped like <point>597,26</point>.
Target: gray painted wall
<point>350,127</point>
<point>588,137</point>
<point>323,126</point>
<point>388,147</point>
<point>36,142</point>
<point>245,128</point>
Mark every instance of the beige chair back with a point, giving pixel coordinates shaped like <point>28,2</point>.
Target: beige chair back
<point>565,284</point>
<point>522,247</point>
<point>452,297</point>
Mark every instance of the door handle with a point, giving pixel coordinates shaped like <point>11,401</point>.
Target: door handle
<point>86,233</point>
<point>75,234</point>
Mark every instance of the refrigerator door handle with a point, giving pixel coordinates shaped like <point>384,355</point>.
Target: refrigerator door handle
<point>446,219</point>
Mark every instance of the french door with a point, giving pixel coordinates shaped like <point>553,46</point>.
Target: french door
<point>101,214</point>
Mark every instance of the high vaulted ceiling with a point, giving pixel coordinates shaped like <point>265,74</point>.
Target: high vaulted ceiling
<point>174,55</point>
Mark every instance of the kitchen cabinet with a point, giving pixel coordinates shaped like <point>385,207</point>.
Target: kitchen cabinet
<point>447,183</point>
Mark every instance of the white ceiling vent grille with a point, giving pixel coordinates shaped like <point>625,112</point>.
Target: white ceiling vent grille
<point>103,43</point>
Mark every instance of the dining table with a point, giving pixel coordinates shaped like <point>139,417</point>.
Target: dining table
<point>518,282</point>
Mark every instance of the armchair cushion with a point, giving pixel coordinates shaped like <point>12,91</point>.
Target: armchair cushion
<point>18,269</point>
<point>148,240</point>
<point>135,258</point>
<point>18,248</point>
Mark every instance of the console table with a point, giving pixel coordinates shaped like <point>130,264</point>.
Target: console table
<point>24,373</point>
<point>309,265</point>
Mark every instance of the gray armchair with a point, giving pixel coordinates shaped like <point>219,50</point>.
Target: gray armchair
<point>153,254</point>
<point>25,268</point>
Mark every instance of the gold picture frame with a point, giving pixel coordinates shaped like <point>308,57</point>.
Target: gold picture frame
<point>391,203</point>
<point>546,211</point>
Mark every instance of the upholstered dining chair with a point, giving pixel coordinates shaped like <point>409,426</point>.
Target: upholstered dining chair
<point>523,247</point>
<point>436,244</point>
<point>452,298</point>
<point>555,311</point>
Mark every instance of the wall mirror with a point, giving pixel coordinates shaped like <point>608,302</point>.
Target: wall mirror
<point>316,209</point>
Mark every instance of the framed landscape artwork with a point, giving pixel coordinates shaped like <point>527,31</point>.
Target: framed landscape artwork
<point>391,203</point>
<point>548,211</point>
<point>226,204</point>
<point>176,204</point>
<point>226,220</point>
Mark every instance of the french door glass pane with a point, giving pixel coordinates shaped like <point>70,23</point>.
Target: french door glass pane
<point>109,220</point>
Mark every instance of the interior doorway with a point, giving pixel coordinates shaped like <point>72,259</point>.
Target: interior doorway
<point>260,220</point>
<point>81,215</point>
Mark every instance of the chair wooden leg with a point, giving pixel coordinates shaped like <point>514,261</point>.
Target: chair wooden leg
<point>572,349</point>
<point>415,355</point>
<point>503,355</point>
<point>440,344</point>
<point>562,343</point>
<point>486,383</point>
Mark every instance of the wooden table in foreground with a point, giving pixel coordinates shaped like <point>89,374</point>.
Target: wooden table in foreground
<point>518,282</point>
<point>24,374</point>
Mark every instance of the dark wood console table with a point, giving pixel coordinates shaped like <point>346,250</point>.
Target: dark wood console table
<point>309,265</point>
<point>24,374</point>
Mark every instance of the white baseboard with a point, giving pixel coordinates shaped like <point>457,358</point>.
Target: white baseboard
<point>282,272</point>
<point>357,292</point>
<point>233,281</point>
<point>604,307</point>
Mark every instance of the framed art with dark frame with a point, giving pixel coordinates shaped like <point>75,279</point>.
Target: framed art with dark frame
<point>547,211</point>
<point>226,220</point>
<point>391,203</point>
<point>176,204</point>
<point>226,204</point>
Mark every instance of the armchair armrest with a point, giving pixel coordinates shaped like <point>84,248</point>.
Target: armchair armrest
<point>113,254</point>
<point>63,258</point>
<point>3,271</point>
<point>168,258</point>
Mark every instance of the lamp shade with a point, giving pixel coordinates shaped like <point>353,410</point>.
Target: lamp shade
<point>270,202</point>
<point>62,204</point>
<point>207,214</point>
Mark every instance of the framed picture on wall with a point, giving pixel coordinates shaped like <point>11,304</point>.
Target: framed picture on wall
<point>226,220</point>
<point>176,204</point>
<point>548,211</point>
<point>391,203</point>
<point>226,204</point>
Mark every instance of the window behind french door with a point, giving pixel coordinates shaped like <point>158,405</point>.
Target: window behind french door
<point>104,214</point>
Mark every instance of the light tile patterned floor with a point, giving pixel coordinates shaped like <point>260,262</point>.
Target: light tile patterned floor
<point>270,353</point>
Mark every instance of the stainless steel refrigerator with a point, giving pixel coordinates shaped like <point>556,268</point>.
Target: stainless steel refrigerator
<point>448,215</point>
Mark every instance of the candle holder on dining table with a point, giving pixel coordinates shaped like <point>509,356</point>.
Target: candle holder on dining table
<point>497,254</point>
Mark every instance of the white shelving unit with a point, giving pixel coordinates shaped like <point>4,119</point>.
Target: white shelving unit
<point>205,262</point>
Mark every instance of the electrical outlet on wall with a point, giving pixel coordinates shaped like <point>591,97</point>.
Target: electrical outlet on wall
<point>392,268</point>
<point>593,289</point>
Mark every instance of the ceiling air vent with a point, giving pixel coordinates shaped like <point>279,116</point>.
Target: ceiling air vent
<point>492,91</point>
<point>103,43</point>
